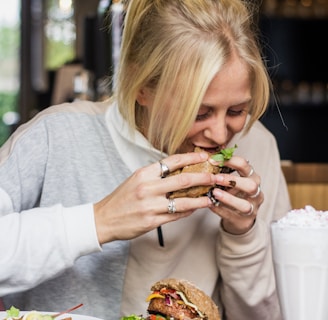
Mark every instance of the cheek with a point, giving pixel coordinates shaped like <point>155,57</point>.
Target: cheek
<point>196,129</point>
<point>235,125</point>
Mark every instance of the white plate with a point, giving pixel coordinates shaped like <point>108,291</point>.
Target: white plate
<point>3,315</point>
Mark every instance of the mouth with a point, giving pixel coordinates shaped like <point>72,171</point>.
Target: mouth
<point>212,150</point>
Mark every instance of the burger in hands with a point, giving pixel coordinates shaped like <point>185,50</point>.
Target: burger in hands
<point>173,299</point>
<point>207,166</point>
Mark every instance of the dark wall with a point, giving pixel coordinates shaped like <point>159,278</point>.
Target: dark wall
<point>302,137</point>
<point>297,59</point>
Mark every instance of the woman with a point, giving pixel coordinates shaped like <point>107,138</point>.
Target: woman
<point>85,217</point>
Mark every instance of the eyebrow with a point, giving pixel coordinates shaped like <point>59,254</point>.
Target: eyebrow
<point>234,105</point>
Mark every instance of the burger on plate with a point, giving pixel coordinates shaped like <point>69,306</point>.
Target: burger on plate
<point>178,299</point>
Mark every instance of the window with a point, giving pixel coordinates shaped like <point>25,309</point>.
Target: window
<point>59,33</point>
<point>9,66</point>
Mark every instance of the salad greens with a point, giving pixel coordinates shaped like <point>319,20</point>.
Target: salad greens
<point>13,312</point>
<point>223,155</point>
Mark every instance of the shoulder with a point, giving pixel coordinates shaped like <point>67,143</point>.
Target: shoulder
<point>259,134</point>
<point>257,137</point>
<point>258,144</point>
<point>73,116</point>
<point>73,112</point>
<point>86,107</point>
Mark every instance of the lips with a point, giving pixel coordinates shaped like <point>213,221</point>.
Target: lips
<point>212,150</point>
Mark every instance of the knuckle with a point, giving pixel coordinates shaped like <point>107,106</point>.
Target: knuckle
<point>184,180</point>
<point>176,161</point>
<point>254,188</point>
<point>192,204</point>
<point>180,160</point>
<point>195,179</point>
<point>141,173</point>
<point>141,191</point>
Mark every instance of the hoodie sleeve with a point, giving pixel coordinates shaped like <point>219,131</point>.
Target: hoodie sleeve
<point>40,243</point>
<point>247,282</point>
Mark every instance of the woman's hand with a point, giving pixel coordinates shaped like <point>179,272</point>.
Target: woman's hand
<point>239,203</point>
<point>140,204</point>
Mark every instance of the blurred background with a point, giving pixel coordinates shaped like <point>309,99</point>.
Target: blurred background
<point>54,51</point>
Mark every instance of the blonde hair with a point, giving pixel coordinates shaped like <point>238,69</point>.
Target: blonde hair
<point>175,48</point>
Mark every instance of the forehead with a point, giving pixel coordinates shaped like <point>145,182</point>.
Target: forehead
<point>231,85</point>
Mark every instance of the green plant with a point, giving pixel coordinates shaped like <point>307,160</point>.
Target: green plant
<point>8,102</point>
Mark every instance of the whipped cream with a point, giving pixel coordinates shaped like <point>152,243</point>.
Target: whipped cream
<point>305,217</point>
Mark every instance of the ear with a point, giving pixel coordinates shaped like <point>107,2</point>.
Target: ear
<point>143,97</point>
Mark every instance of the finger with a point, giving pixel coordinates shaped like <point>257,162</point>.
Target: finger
<point>249,212</point>
<point>160,204</point>
<point>176,206</point>
<point>178,161</point>
<point>241,165</point>
<point>238,204</point>
<point>184,181</point>
<point>257,193</point>
<point>246,171</point>
<point>236,184</point>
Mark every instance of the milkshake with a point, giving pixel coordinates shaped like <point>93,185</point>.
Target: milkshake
<point>300,256</point>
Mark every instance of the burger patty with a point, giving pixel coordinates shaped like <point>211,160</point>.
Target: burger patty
<point>176,310</point>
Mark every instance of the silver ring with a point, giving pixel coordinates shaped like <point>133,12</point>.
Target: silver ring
<point>250,172</point>
<point>171,206</point>
<point>215,202</point>
<point>164,169</point>
<point>257,192</point>
<point>249,213</point>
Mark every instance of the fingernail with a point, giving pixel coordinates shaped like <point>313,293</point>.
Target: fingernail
<point>232,183</point>
<point>213,162</point>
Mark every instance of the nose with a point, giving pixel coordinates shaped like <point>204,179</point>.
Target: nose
<point>217,130</point>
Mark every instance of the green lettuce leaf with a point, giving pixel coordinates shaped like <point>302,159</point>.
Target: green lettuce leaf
<point>132,317</point>
<point>13,312</point>
<point>223,155</point>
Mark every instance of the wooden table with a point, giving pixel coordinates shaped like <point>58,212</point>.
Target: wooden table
<point>307,184</point>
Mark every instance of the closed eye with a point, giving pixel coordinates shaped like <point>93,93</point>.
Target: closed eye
<point>239,110</point>
<point>204,114</point>
<point>235,113</point>
<point>231,113</point>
